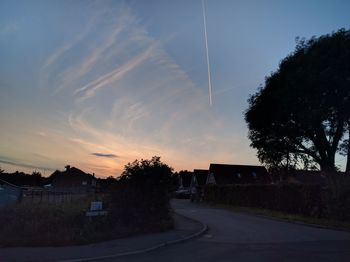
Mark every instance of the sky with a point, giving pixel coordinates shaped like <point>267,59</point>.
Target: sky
<point>98,84</point>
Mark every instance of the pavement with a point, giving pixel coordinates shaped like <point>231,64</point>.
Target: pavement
<point>185,229</point>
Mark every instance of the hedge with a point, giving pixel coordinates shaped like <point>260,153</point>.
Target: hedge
<point>308,200</point>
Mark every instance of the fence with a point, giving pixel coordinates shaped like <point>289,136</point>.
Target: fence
<point>12,194</point>
<point>48,196</point>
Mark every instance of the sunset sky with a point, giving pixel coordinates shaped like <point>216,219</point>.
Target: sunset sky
<point>97,84</point>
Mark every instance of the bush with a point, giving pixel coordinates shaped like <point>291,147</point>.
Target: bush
<point>140,199</point>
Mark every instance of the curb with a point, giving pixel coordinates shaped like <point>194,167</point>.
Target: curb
<point>145,250</point>
<point>303,223</point>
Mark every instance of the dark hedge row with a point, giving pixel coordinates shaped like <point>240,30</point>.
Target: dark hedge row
<point>308,200</point>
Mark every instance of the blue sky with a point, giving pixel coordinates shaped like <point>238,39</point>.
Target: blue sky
<point>97,84</point>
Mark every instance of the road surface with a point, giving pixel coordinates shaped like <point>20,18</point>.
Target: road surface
<point>242,237</point>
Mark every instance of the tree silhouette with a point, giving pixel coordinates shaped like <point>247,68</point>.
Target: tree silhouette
<point>142,193</point>
<point>302,112</point>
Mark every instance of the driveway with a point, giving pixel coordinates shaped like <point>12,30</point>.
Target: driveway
<point>242,237</point>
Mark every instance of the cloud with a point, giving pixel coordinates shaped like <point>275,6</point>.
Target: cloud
<point>105,155</point>
<point>90,89</point>
<point>42,134</point>
<point>123,21</point>
<point>114,37</point>
<point>61,51</point>
<point>8,28</point>
<point>14,162</point>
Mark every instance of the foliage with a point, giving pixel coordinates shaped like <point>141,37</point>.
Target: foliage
<point>104,184</point>
<point>302,112</point>
<point>23,179</point>
<point>141,197</point>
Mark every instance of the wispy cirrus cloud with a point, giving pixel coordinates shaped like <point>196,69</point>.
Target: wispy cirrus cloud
<point>124,19</point>
<point>18,163</point>
<point>119,44</point>
<point>62,51</point>
<point>8,27</point>
<point>107,79</point>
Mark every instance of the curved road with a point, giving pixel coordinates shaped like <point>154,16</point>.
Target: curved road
<point>241,237</point>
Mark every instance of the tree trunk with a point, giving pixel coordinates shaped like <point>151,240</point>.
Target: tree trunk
<point>328,163</point>
<point>347,169</point>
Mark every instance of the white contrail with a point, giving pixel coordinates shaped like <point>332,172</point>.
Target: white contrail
<point>207,51</point>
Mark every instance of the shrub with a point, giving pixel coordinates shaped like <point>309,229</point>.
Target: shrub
<point>141,197</point>
<point>338,199</point>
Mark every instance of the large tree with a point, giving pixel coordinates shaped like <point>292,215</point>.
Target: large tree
<point>302,113</point>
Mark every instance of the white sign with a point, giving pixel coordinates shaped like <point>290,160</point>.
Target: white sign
<point>96,206</point>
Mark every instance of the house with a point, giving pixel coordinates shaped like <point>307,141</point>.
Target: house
<point>9,194</point>
<point>199,177</point>
<point>185,179</point>
<point>73,180</point>
<point>198,180</point>
<point>307,177</point>
<point>237,174</point>
<point>310,177</point>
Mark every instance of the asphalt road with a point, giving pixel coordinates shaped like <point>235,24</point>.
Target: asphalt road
<point>240,237</point>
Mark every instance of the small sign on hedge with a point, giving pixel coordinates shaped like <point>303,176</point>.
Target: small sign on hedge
<point>96,209</point>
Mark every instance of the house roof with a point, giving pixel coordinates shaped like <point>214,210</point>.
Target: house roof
<point>186,177</point>
<point>307,177</point>
<point>201,176</point>
<point>239,174</point>
<point>71,172</point>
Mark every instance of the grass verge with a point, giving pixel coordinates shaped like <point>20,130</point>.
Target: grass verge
<point>63,224</point>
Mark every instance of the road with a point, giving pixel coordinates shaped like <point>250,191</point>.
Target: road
<point>242,237</point>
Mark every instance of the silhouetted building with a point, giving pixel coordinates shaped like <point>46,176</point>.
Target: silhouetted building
<point>307,177</point>
<point>198,180</point>
<point>185,179</point>
<point>73,180</point>
<point>9,194</point>
<point>238,174</point>
<point>199,177</point>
